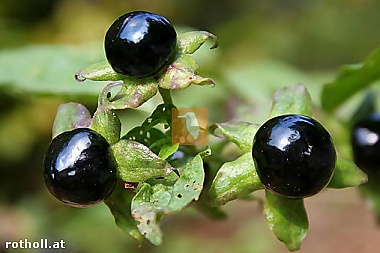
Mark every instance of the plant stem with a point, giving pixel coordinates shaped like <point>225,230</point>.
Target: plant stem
<point>166,95</point>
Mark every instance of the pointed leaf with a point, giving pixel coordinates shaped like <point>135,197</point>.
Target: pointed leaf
<point>100,71</point>
<point>119,204</point>
<point>137,162</point>
<point>291,100</point>
<point>153,138</point>
<point>240,133</point>
<point>70,116</point>
<point>166,196</point>
<point>188,187</point>
<point>189,42</point>
<point>168,150</point>
<point>351,79</point>
<point>234,180</point>
<point>161,115</point>
<point>145,213</point>
<point>181,74</point>
<point>287,218</point>
<point>150,136</point>
<point>117,96</point>
<point>108,124</point>
<point>172,194</point>
<point>347,174</point>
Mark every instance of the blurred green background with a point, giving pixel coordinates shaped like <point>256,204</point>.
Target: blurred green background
<point>263,45</point>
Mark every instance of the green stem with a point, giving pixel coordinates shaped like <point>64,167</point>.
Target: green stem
<point>166,95</point>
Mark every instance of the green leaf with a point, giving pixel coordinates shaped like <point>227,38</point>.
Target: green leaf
<point>100,71</point>
<point>168,150</point>
<point>291,100</point>
<point>182,73</point>
<point>188,187</point>
<point>137,163</point>
<point>47,69</point>
<point>240,133</point>
<point>118,96</point>
<point>108,124</point>
<point>166,196</point>
<point>287,218</point>
<point>351,79</point>
<point>145,213</point>
<point>119,204</point>
<point>161,115</point>
<point>152,137</point>
<point>70,116</point>
<point>347,174</point>
<point>234,180</point>
<point>189,42</point>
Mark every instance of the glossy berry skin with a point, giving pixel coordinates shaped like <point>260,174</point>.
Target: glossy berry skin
<point>365,142</point>
<point>140,43</point>
<point>79,168</point>
<point>294,156</point>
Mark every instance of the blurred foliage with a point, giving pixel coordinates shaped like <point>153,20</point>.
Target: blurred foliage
<point>263,45</point>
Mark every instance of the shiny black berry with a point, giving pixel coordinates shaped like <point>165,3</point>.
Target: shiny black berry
<point>294,156</point>
<point>140,43</point>
<point>79,168</point>
<point>365,141</point>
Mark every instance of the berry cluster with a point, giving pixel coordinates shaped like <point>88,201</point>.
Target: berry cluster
<point>294,155</point>
<point>79,168</point>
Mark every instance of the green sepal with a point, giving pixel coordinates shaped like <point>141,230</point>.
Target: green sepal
<point>100,71</point>
<point>287,218</point>
<point>234,180</point>
<point>108,124</point>
<point>240,133</point>
<point>178,73</point>
<point>137,163</point>
<point>119,204</point>
<point>350,80</point>
<point>346,174</point>
<point>189,42</point>
<point>118,96</point>
<point>70,116</point>
<point>182,73</point>
<point>291,100</point>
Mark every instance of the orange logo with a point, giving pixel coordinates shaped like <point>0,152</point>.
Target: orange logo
<point>190,126</point>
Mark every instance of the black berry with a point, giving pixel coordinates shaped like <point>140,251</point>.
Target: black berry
<point>79,168</point>
<point>365,141</point>
<point>140,43</point>
<point>294,156</point>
